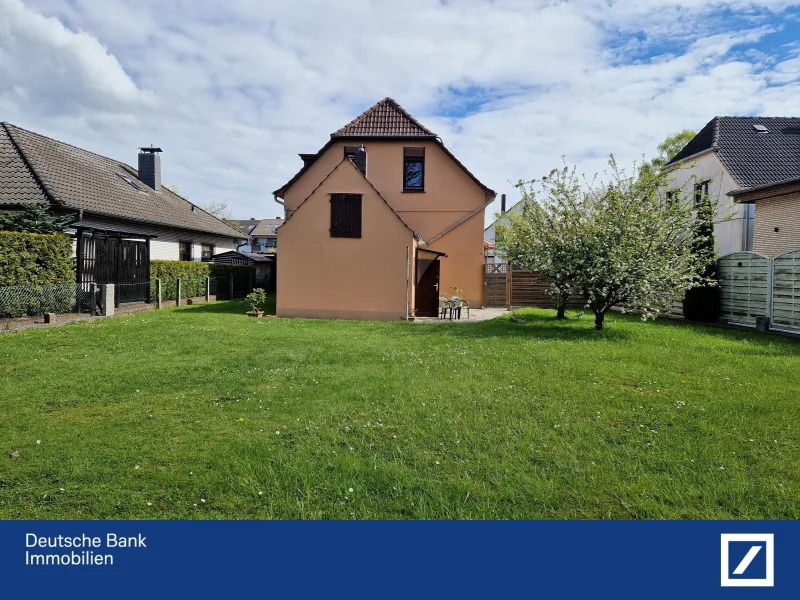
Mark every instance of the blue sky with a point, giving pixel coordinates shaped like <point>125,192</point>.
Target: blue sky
<point>234,91</point>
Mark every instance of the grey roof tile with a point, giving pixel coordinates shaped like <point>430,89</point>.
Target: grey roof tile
<point>80,179</point>
<point>753,159</point>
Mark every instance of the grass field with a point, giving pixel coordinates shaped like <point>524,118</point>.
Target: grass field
<point>203,413</point>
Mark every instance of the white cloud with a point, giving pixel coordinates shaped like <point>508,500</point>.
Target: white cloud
<point>234,91</point>
<point>52,67</point>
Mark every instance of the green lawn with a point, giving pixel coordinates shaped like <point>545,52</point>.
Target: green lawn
<point>201,412</point>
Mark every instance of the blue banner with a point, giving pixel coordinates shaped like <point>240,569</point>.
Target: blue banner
<point>411,559</point>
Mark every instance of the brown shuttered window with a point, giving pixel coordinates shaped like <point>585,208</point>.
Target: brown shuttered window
<point>346,215</point>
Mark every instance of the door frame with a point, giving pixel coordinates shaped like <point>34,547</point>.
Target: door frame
<point>418,278</point>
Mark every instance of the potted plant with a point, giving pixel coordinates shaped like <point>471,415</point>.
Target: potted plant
<point>257,299</point>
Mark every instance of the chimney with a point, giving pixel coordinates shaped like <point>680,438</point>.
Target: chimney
<point>502,203</point>
<point>150,167</point>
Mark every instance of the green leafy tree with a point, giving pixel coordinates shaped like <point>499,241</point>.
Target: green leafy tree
<point>702,303</point>
<point>666,150</point>
<point>34,218</point>
<point>547,235</point>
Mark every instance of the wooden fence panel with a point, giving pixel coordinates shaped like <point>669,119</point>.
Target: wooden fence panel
<point>495,285</point>
<point>744,280</point>
<point>531,289</point>
<point>786,290</point>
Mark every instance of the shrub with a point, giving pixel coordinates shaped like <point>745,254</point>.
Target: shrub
<point>702,303</point>
<point>192,275</point>
<point>35,259</point>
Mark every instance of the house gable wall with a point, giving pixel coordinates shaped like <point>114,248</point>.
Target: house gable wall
<point>729,231</point>
<point>343,278</point>
<point>450,195</point>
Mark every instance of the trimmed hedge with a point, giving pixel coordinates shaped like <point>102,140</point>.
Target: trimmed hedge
<point>35,259</point>
<point>193,276</point>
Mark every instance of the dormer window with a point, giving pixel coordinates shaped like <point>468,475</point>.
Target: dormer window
<point>413,169</point>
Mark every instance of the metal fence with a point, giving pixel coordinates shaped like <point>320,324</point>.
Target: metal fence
<point>35,300</point>
<point>131,293</point>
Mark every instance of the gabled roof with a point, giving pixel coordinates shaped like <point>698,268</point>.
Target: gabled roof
<point>386,118</point>
<point>81,180</point>
<point>754,158</point>
<point>266,227</point>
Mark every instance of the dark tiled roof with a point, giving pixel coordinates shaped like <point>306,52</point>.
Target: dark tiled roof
<point>79,179</point>
<point>752,158</point>
<point>266,227</point>
<point>386,118</point>
<point>244,226</point>
<point>17,183</point>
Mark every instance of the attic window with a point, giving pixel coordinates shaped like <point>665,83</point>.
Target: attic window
<point>130,181</point>
<point>760,128</point>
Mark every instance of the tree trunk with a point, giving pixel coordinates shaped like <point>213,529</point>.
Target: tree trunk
<point>598,319</point>
<point>561,306</point>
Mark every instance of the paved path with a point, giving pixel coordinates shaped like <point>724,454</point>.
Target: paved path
<point>475,315</point>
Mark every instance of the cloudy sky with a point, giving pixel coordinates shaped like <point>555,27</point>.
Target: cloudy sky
<point>233,91</point>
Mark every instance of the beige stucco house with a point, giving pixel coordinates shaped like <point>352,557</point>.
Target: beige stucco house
<point>380,221</point>
<point>732,154</point>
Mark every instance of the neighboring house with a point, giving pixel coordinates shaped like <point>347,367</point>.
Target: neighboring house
<point>490,233</point>
<point>264,237</point>
<point>264,266</point>
<point>731,154</point>
<point>245,227</point>
<point>777,215</point>
<point>123,216</point>
<point>380,222</point>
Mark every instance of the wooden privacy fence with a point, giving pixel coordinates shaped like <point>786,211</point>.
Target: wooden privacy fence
<point>506,286</point>
<point>756,288</point>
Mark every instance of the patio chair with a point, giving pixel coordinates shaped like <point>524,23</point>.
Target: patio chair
<point>460,303</point>
<point>445,308</point>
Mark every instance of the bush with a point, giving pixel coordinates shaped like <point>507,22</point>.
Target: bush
<point>192,275</point>
<point>35,259</point>
<point>703,303</point>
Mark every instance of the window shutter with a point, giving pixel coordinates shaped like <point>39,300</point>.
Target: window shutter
<point>346,215</point>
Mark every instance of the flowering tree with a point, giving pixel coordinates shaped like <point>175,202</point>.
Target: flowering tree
<point>621,244</point>
<point>547,235</point>
<point>641,250</point>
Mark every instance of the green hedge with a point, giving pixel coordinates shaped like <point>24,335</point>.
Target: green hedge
<point>35,259</point>
<point>193,276</point>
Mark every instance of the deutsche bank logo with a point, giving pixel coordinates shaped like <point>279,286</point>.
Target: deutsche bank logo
<point>748,559</point>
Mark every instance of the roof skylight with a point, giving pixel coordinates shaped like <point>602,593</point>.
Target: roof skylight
<point>130,181</point>
<point>760,128</point>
